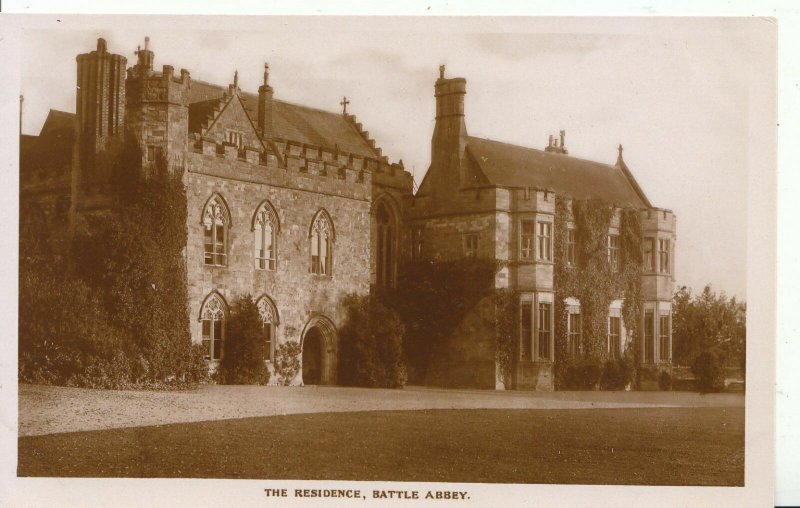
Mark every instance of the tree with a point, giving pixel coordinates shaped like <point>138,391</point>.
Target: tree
<point>371,352</point>
<point>243,361</point>
<point>708,322</point>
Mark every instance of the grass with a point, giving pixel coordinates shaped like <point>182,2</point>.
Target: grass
<point>662,446</point>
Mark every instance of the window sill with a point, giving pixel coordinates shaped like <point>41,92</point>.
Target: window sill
<point>535,262</point>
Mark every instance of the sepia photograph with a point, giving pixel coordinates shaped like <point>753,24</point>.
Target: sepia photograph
<point>430,253</point>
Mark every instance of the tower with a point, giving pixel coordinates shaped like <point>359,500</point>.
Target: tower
<point>157,110</point>
<point>100,120</point>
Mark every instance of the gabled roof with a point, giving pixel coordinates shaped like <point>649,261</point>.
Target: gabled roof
<point>516,166</point>
<point>289,121</point>
<point>51,150</point>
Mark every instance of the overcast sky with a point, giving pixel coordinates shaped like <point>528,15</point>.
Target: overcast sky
<point>678,94</point>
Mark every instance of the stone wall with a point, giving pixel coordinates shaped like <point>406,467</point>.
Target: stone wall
<point>297,196</point>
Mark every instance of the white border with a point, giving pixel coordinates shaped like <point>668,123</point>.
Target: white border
<point>761,278</point>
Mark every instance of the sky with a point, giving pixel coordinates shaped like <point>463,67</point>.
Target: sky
<point>679,95</point>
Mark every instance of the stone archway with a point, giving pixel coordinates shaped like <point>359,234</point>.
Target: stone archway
<point>319,357</point>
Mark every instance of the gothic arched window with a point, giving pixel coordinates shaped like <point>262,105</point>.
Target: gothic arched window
<point>212,317</point>
<point>265,229</point>
<point>321,244</point>
<point>386,240</point>
<point>215,232</point>
<point>269,322</point>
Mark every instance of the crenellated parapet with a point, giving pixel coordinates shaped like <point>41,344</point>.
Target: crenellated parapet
<point>289,164</point>
<point>157,109</point>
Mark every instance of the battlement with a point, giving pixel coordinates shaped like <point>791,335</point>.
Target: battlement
<point>310,158</point>
<point>148,86</point>
<point>293,158</point>
<point>657,219</point>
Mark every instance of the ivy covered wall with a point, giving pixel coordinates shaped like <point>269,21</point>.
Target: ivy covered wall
<point>592,280</point>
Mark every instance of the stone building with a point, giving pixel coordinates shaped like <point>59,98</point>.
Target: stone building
<point>293,205</point>
<point>298,207</point>
<point>484,198</point>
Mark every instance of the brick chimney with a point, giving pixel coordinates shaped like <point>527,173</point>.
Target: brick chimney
<point>265,105</point>
<point>450,133</point>
<point>557,145</point>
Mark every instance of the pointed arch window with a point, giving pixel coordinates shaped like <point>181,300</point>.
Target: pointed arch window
<point>212,318</point>
<point>385,269</point>
<point>215,232</point>
<point>265,229</point>
<point>321,245</point>
<point>269,322</point>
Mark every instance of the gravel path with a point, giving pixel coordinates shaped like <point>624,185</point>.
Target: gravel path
<point>49,409</point>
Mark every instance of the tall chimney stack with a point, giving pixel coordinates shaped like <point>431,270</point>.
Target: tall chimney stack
<point>449,141</point>
<point>265,105</point>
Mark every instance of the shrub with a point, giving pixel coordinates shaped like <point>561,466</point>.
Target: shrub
<point>113,312</point>
<point>581,374</point>
<point>287,362</point>
<point>243,361</point>
<point>65,337</point>
<point>665,381</point>
<point>709,372</point>
<point>371,345</point>
<point>616,374</point>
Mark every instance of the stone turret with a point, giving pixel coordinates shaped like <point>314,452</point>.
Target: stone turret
<point>157,109</point>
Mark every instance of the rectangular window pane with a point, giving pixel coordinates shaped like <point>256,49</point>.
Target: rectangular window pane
<point>206,328</point>
<point>574,325</point>
<point>526,330</point>
<point>649,330</point>
<point>663,329</point>
<point>663,254</point>
<point>543,241</point>
<point>268,340</point>
<point>613,251</point>
<point>544,331</point>
<point>648,253</point>
<point>614,336</point>
<point>526,239</point>
<point>217,338</point>
<point>571,247</point>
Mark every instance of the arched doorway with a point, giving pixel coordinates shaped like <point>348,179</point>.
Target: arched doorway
<point>319,345</point>
<point>312,357</point>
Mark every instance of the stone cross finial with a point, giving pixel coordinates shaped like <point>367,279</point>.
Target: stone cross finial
<point>344,104</point>
<point>236,79</point>
<point>146,43</point>
<point>266,73</point>
<point>441,71</point>
<point>619,149</point>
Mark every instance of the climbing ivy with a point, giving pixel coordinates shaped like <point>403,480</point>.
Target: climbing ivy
<point>594,283</point>
<point>433,297</point>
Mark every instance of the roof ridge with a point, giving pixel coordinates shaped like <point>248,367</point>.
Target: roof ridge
<point>255,94</point>
<point>610,166</point>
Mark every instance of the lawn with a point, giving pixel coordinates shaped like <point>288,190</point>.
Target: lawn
<point>661,446</point>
